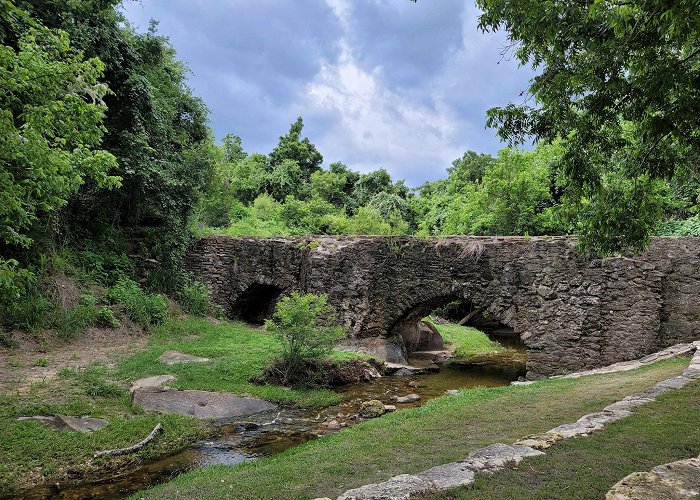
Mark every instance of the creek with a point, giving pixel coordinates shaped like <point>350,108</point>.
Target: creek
<point>273,432</point>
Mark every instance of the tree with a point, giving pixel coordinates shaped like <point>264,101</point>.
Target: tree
<point>51,115</point>
<point>619,81</point>
<point>469,168</point>
<point>292,147</point>
<point>307,328</point>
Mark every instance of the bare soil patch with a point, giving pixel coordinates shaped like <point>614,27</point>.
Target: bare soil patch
<point>42,356</point>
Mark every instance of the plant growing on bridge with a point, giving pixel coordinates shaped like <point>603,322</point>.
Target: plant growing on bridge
<point>307,327</point>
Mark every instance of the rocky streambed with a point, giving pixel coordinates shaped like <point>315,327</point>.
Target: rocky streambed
<point>274,430</point>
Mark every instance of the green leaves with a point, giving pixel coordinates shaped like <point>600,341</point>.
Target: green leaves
<point>51,115</point>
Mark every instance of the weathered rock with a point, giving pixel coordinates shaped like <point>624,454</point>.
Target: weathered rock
<point>497,456</point>
<point>333,425</point>
<point>409,398</point>
<point>200,404</point>
<point>573,313</point>
<point>540,441</point>
<point>65,422</point>
<point>676,480</point>
<point>419,336</point>
<point>175,357</point>
<point>590,423</point>
<point>414,383</point>
<point>397,488</point>
<point>628,404</point>
<point>449,475</point>
<point>155,381</point>
<point>371,409</point>
<point>389,408</point>
<point>452,392</point>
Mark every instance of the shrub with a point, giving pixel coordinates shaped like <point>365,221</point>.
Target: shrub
<point>145,309</point>
<point>196,299</point>
<point>105,317</point>
<point>307,327</point>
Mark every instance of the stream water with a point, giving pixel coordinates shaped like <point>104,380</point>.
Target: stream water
<point>237,442</point>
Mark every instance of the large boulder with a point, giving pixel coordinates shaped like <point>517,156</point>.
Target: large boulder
<point>420,336</point>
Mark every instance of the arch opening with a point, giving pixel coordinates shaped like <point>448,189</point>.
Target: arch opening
<point>465,313</point>
<point>257,303</point>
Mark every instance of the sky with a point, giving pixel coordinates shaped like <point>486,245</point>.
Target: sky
<point>379,83</point>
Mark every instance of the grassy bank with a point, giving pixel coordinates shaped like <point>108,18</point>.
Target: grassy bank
<point>443,430</point>
<point>31,453</point>
<point>664,431</point>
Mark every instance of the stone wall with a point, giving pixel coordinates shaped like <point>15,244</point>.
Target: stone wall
<point>571,313</point>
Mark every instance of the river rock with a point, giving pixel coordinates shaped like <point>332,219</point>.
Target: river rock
<point>409,398</point>
<point>452,392</point>
<point>155,381</point>
<point>65,422</point>
<point>371,409</point>
<point>175,357</point>
<point>389,408</point>
<point>333,425</point>
<point>200,404</point>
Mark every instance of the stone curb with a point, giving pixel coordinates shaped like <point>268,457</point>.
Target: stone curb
<point>498,456</point>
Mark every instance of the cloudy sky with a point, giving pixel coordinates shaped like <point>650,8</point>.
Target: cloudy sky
<point>379,83</point>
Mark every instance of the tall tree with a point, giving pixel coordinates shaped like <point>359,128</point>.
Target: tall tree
<point>620,82</point>
<point>292,147</point>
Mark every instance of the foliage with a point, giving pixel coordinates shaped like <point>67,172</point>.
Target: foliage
<point>307,328</point>
<point>143,308</point>
<point>292,148</point>
<point>51,115</point>
<point>195,298</point>
<point>105,317</point>
<point>620,85</point>
<point>687,227</point>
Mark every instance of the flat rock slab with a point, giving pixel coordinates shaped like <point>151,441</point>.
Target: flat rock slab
<point>497,456</point>
<point>65,422</point>
<point>200,404</point>
<point>540,441</point>
<point>397,488</point>
<point>449,475</point>
<point>676,480</point>
<point>409,398</point>
<point>175,357</point>
<point>155,381</point>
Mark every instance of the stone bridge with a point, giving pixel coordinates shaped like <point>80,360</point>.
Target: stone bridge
<point>572,313</point>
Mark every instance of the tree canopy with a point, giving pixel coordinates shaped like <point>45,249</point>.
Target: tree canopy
<point>618,81</point>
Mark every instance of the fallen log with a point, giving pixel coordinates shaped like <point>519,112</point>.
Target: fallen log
<point>132,449</point>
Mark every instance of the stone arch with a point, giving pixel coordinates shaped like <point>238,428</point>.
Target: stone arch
<point>416,335</point>
<point>256,302</point>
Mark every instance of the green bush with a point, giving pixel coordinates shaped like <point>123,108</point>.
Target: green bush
<point>307,328</point>
<point>196,299</point>
<point>105,317</point>
<point>145,309</point>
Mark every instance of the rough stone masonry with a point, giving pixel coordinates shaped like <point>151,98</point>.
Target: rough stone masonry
<point>572,313</point>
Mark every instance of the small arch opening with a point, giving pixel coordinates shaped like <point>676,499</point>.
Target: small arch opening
<point>256,303</point>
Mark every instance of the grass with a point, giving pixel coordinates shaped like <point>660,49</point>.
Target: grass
<point>443,430</point>
<point>31,452</point>
<point>474,345</point>
<point>237,353</point>
<point>664,431</point>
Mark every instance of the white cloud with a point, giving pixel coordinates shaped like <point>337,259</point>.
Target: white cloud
<point>372,124</point>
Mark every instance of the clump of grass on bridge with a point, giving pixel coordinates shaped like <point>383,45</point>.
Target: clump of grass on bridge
<point>441,431</point>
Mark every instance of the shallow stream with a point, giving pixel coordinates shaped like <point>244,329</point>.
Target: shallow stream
<point>270,433</point>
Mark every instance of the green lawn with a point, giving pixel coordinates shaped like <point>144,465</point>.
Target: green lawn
<point>237,353</point>
<point>585,468</point>
<point>443,430</point>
